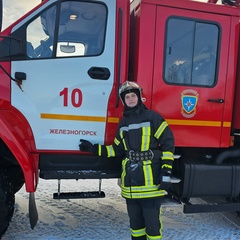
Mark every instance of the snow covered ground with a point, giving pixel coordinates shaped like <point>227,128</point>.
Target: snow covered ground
<point>105,218</point>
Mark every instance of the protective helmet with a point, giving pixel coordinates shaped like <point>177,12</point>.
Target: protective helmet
<point>231,2</point>
<point>128,87</point>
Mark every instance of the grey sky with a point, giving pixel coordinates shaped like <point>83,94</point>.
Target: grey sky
<point>13,10</point>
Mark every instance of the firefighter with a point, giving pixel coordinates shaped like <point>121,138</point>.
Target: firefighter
<point>146,143</point>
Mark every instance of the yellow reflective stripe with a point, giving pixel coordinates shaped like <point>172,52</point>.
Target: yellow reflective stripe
<point>154,237</point>
<point>147,170</point>
<point>116,141</point>
<point>99,150</point>
<point>146,132</point>
<point>167,156</point>
<point>197,123</point>
<point>166,166</point>
<point>138,232</point>
<point>113,120</point>
<point>123,140</point>
<point>140,188</point>
<point>159,193</point>
<point>123,174</point>
<point>110,151</point>
<point>72,117</point>
<point>79,118</point>
<point>160,129</point>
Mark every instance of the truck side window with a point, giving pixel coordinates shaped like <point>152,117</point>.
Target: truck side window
<point>40,35</point>
<point>81,29</point>
<point>79,32</point>
<point>191,52</point>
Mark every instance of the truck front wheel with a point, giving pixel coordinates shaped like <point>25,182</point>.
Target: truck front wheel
<point>7,201</point>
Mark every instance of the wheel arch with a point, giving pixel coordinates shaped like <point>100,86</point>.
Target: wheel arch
<point>16,134</point>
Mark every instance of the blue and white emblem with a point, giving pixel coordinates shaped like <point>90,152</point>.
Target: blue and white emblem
<point>189,99</point>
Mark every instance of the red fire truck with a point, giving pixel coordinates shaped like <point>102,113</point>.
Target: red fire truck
<point>61,66</point>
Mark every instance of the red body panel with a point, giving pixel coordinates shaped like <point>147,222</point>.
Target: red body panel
<point>5,87</point>
<point>17,135</point>
<point>121,69</point>
<point>16,132</point>
<point>211,126</point>
<point>236,116</point>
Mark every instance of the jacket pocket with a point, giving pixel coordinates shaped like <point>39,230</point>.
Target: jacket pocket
<point>134,174</point>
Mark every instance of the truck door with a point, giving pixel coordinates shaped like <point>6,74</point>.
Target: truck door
<point>69,72</point>
<point>190,75</point>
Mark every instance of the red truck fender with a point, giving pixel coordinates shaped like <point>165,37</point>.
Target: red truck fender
<point>17,135</point>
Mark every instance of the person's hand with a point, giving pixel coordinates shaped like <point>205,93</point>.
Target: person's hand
<point>86,146</point>
<point>165,183</point>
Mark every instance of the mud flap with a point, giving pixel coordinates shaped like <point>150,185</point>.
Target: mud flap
<point>33,213</point>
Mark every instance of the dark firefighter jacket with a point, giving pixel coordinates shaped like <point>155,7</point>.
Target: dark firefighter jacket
<point>140,130</point>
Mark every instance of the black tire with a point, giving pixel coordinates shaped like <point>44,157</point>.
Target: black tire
<point>16,178</point>
<point>7,201</point>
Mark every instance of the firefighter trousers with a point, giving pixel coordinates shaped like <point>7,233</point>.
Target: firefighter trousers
<point>145,218</point>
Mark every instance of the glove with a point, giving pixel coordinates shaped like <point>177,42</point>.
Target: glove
<point>165,183</point>
<point>86,146</point>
